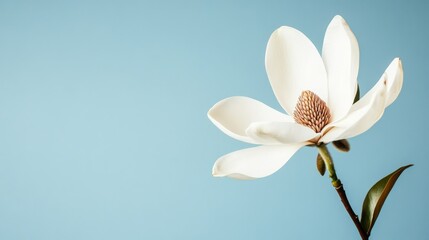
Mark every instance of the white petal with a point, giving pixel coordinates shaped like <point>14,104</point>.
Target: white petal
<point>391,80</point>
<point>341,57</point>
<point>294,65</point>
<point>395,76</point>
<point>386,90</point>
<point>281,132</point>
<point>254,162</point>
<point>363,115</point>
<point>234,115</point>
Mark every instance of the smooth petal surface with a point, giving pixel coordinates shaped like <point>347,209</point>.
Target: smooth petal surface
<point>386,90</point>
<point>393,79</point>
<point>341,57</point>
<point>363,115</point>
<point>252,163</point>
<point>234,115</point>
<point>294,65</point>
<point>281,132</point>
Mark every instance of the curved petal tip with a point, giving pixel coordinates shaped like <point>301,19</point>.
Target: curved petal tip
<point>256,162</point>
<point>234,114</point>
<point>218,173</point>
<point>395,77</point>
<point>338,19</point>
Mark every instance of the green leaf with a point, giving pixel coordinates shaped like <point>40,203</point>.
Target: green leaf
<point>375,198</point>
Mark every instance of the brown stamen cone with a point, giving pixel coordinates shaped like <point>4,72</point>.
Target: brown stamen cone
<point>311,111</point>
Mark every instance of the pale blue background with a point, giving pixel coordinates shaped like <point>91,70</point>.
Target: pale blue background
<point>104,133</point>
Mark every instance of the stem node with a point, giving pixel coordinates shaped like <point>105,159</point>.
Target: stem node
<point>336,183</point>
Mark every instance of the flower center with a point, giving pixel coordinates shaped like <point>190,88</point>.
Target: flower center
<point>311,111</point>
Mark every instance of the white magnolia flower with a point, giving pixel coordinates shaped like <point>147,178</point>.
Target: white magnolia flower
<point>317,93</point>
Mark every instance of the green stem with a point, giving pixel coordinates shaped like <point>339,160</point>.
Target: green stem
<point>336,183</point>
